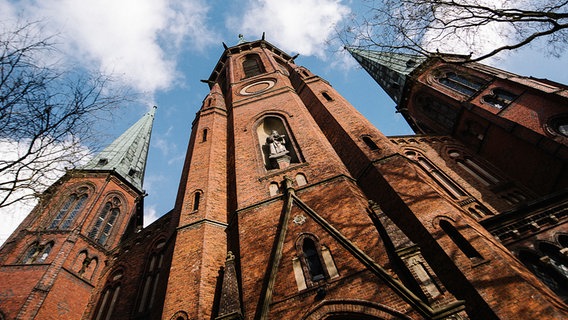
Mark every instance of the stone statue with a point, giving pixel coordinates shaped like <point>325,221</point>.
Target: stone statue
<point>277,144</point>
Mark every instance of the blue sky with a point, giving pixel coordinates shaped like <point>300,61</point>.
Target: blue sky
<point>163,48</point>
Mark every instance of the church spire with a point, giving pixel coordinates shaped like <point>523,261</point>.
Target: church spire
<point>390,70</point>
<point>128,153</point>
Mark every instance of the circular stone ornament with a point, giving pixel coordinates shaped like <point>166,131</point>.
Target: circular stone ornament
<point>257,87</point>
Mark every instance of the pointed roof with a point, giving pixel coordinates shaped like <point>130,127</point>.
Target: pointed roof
<point>390,70</point>
<point>128,153</point>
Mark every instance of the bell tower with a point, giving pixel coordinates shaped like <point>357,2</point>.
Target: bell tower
<point>292,205</point>
<point>52,262</point>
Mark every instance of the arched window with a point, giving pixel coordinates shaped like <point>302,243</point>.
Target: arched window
<point>204,135</point>
<point>275,143</point>
<point>104,223</point>
<point>196,200</point>
<point>70,209</point>
<point>473,168</point>
<point>37,253</point>
<point>462,84</point>
<point>273,189</point>
<point>313,260</point>
<point>451,188</point>
<point>301,179</point>
<point>370,143</point>
<point>109,297</point>
<point>252,65</point>
<point>554,258</point>
<point>544,272</point>
<point>499,98</point>
<point>152,277</point>
<point>462,243</point>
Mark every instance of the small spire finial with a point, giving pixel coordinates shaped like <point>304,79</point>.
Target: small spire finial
<point>241,39</point>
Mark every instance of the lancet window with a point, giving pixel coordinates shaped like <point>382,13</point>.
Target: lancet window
<point>69,210</point>
<point>252,65</point>
<point>109,297</point>
<point>480,173</point>
<point>105,221</point>
<point>37,253</point>
<point>152,277</point>
<point>450,187</point>
<point>462,84</point>
<point>462,243</point>
<point>313,263</point>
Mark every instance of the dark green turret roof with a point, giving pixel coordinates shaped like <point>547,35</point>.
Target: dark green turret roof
<point>128,153</point>
<point>389,69</point>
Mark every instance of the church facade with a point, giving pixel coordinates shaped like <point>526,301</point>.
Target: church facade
<point>292,205</point>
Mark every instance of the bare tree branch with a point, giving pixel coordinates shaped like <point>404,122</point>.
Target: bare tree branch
<point>483,28</point>
<point>47,114</point>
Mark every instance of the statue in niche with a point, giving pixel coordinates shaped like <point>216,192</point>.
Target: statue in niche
<point>276,144</point>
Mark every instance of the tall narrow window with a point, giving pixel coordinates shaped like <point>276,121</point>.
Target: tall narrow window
<point>465,85</point>
<point>474,169</point>
<point>104,223</point>
<point>109,298</point>
<point>252,65</point>
<point>313,261</point>
<point>204,136</point>
<point>326,96</point>
<point>37,253</point>
<point>152,278</point>
<point>462,243</point>
<point>444,182</point>
<point>31,253</point>
<point>196,200</point>
<point>370,143</point>
<point>70,209</point>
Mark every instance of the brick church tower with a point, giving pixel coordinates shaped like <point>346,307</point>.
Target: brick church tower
<point>51,263</point>
<point>291,205</point>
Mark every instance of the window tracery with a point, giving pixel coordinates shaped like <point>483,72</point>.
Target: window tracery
<point>69,210</point>
<point>466,85</point>
<point>104,223</point>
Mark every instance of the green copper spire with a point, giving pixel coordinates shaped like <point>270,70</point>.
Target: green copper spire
<point>127,154</point>
<point>390,70</point>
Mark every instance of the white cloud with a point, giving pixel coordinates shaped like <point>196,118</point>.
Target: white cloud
<point>295,25</point>
<point>135,40</point>
<point>39,170</point>
<point>150,215</point>
<point>477,40</point>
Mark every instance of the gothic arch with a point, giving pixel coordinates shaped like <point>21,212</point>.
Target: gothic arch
<point>108,217</point>
<point>109,295</point>
<point>352,309</point>
<point>252,65</point>
<point>441,180</point>
<point>69,205</point>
